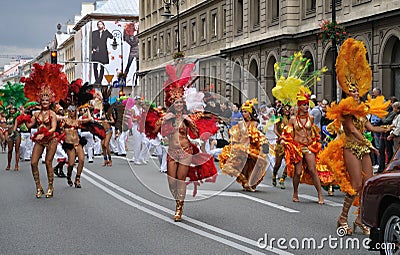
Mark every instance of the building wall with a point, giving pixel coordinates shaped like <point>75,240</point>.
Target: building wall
<point>259,32</point>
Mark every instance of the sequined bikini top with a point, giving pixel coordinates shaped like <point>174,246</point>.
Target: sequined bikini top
<point>46,121</point>
<point>359,124</point>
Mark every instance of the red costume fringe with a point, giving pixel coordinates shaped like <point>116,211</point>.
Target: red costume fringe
<point>153,118</point>
<point>23,119</point>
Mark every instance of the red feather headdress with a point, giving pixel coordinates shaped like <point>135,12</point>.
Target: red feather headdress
<point>46,80</point>
<point>178,78</point>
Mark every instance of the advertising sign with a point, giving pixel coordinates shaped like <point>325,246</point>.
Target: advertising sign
<point>113,51</point>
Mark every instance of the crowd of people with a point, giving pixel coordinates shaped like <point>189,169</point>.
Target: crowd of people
<point>195,130</point>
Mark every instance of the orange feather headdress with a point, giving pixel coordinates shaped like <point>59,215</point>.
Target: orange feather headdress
<point>46,80</point>
<point>352,68</point>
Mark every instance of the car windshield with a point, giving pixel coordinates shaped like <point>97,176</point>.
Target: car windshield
<point>395,162</point>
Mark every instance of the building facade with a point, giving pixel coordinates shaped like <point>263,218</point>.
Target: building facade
<point>255,34</point>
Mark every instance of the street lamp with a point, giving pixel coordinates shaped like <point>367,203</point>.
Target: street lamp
<point>334,55</point>
<point>167,13</point>
<point>118,34</point>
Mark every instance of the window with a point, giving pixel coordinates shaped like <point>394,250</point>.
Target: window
<point>310,6</point>
<point>255,14</point>
<point>274,11</point>
<point>193,32</point>
<point>168,42</point>
<point>357,2</point>
<point>148,9</point>
<point>148,48</point>
<point>142,4</point>
<point>214,24</point>
<point>184,33</point>
<point>143,49</point>
<point>155,46</point>
<point>154,5</point>
<point>213,78</point>
<point>239,16</point>
<point>223,20</point>
<point>176,36</point>
<point>161,49</point>
<point>203,32</point>
<point>328,4</point>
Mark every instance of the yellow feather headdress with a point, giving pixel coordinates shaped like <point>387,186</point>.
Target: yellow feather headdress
<point>289,83</point>
<point>352,67</point>
<point>248,105</point>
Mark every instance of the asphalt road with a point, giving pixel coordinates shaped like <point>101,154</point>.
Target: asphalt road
<point>127,209</point>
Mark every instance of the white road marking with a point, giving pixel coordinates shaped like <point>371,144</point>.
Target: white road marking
<point>237,194</point>
<point>328,202</point>
<point>181,224</point>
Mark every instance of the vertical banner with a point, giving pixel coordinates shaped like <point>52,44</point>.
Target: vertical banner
<point>113,51</point>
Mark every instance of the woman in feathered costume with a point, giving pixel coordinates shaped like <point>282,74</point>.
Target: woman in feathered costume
<point>107,120</point>
<point>300,137</point>
<point>243,157</point>
<point>348,155</point>
<point>176,125</point>
<point>282,122</point>
<point>13,98</point>
<point>47,85</point>
<point>73,144</point>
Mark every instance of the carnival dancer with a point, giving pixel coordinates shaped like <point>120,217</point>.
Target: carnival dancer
<point>349,154</point>
<point>107,121</point>
<point>3,130</point>
<point>176,125</point>
<point>300,137</point>
<point>73,144</point>
<point>283,121</point>
<point>243,157</point>
<point>47,85</point>
<point>13,99</point>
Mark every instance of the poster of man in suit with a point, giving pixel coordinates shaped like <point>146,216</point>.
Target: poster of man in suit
<point>113,49</point>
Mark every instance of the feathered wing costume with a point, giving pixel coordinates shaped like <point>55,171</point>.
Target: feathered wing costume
<point>179,79</point>
<point>79,95</point>
<point>243,158</point>
<point>292,89</point>
<point>353,72</point>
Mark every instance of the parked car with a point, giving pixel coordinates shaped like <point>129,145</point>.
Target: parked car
<point>380,208</point>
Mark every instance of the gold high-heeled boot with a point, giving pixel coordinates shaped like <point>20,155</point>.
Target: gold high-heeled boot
<point>357,223</point>
<point>178,211</point>
<point>69,175</point>
<point>342,221</point>
<point>50,189</point>
<point>39,189</point>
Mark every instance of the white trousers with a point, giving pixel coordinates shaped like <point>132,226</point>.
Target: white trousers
<point>89,145</point>
<point>113,141</point>
<point>25,140</point>
<point>121,142</point>
<point>97,146</point>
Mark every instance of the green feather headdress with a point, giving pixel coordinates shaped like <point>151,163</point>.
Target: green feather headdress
<point>13,94</point>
